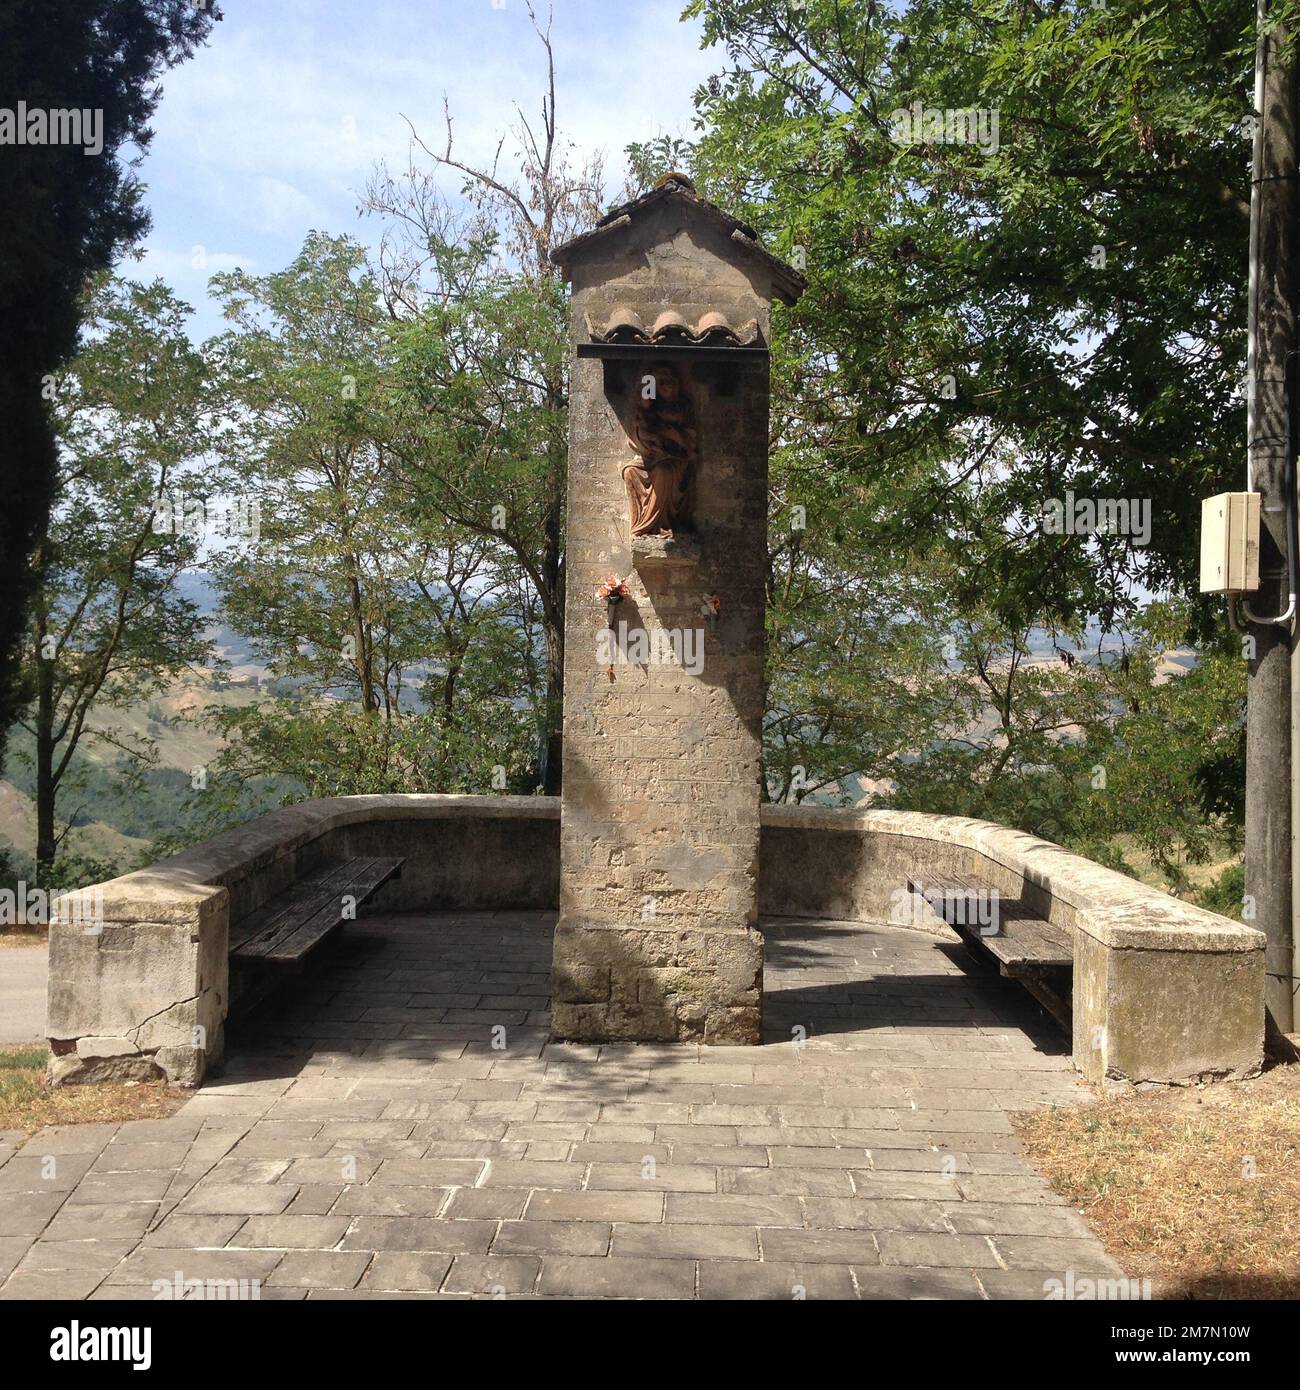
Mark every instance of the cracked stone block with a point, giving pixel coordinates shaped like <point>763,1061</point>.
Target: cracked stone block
<point>144,996</point>
<point>114,1068</point>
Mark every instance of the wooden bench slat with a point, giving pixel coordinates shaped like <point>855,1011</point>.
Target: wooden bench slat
<point>1026,942</point>
<point>1024,939</point>
<point>274,912</point>
<point>313,920</point>
<point>301,917</point>
<point>290,909</point>
<point>1027,948</point>
<point>319,915</point>
<point>363,885</point>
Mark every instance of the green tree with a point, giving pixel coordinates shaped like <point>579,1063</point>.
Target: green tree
<point>483,446</point>
<point>107,623</point>
<point>64,216</point>
<point>1174,718</point>
<point>997,317</point>
<point>400,639</point>
<point>481,331</point>
<point>1096,748</point>
<point>1059,308</point>
<point>855,663</point>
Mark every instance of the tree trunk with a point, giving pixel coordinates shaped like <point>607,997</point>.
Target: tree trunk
<point>553,781</point>
<point>45,786</point>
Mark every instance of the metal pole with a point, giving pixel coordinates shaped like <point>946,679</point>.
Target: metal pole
<point>1271,733</point>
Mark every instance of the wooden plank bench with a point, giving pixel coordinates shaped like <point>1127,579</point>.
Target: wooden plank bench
<point>284,932</point>
<point>1018,941</point>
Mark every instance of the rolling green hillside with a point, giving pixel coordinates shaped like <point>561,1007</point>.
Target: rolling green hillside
<point>117,816</point>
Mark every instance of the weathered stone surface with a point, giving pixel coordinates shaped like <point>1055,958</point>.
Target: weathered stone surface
<point>664,552</point>
<point>403,1270</point>
<point>1166,1014</point>
<point>659,836</point>
<point>136,993</point>
<point>500,852</point>
<point>577,984</point>
<point>116,1068</point>
<point>106,1047</point>
<point>320,1269</point>
<point>737,1279</point>
<point>290,1233</point>
<point>552,1238</point>
<point>568,1276</point>
<point>493,1275</point>
<point>803,1207</point>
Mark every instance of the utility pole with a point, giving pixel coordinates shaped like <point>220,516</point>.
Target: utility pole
<point>1273,721</point>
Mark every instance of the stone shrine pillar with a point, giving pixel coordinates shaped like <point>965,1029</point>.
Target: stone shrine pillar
<point>664,601</point>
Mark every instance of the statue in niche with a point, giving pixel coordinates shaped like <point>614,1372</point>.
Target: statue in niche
<point>660,481</point>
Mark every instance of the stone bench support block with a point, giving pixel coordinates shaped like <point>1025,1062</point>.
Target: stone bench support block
<point>140,995</point>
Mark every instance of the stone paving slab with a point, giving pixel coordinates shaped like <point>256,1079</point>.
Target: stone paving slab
<point>372,1138</point>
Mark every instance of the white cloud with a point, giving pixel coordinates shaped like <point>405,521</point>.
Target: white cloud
<point>276,126</point>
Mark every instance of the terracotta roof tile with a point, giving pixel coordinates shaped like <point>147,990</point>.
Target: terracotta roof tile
<point>625,326</point>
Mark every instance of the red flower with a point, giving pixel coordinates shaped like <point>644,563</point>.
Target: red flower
<point>613,588</point>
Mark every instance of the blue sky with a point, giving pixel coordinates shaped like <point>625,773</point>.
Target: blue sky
<point>273,129</point>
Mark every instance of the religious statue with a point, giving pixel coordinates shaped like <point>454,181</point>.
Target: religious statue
<point>660,481</point>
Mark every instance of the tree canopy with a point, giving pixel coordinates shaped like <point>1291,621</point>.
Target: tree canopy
<point>65,215</point>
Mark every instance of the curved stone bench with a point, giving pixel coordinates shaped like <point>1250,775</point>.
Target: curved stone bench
<point>149,991</point>
<point>1163,991</point>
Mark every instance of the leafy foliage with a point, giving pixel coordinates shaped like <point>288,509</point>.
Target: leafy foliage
<point>64,216</point>
<point>999,316</point>
<point>108,625</point>
<point>405,642</point>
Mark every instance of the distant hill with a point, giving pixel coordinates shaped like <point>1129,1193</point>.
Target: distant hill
<point>113,820</point>
<point>96,839</point>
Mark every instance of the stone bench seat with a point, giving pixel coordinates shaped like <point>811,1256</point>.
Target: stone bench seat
<point>286,930</point>
<point>1024,946</point>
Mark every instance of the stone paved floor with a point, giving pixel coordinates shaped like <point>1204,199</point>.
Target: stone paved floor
<point>369,1139</point>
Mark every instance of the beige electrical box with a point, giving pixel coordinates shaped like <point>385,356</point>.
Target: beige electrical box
<point>1230,543</point>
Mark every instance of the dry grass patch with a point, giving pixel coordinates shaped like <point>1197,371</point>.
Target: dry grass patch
<point>24,936</point>
<point>1195,1189</point>
<point>28,1102</point>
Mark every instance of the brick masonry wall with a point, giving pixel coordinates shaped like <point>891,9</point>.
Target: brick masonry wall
<point>659,828</point>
